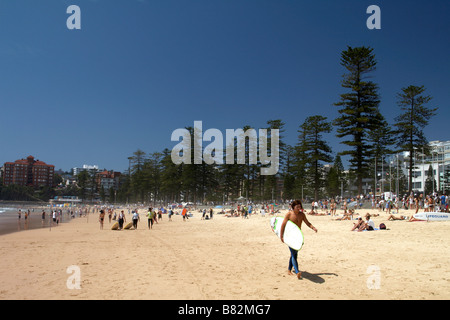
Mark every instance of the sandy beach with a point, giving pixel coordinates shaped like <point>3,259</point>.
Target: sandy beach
<point>226,258</point>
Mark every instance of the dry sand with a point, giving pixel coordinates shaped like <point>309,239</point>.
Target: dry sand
<point>226,258</point>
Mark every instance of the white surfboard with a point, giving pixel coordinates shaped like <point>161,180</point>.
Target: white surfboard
<point>293,236</point>
<point>432,216</point>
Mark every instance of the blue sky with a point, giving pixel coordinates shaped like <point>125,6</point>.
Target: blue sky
<point>138,70</point>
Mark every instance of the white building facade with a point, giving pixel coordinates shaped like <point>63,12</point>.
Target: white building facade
<point>388,171</point>
<point>439,160</point>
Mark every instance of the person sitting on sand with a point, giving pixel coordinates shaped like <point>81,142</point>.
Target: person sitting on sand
<point>358,225</point>
<point>370,225</point>
<point>361,225</point>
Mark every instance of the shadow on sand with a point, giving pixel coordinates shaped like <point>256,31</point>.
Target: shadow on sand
<point>316,277</point>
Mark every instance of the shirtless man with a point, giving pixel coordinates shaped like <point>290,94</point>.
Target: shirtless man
<point>297,216</point>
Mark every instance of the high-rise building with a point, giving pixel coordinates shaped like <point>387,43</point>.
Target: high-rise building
<point>90,168</point>
<point>28,172</point>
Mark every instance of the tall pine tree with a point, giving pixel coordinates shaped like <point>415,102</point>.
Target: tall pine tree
<point>317,150</point>
<point>359,113</point>
<point>412,121</point>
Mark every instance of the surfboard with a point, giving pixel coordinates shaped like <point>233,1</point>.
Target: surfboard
<point>115,226</point>
<point>432,216</point>
<point>129,225</point>
<point>293,236</point>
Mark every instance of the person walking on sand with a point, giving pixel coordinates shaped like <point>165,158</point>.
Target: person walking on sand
<point>416,203</point>
<point>184,213</point>
<point>121,219</point>
<point>204,214</point>
<point>43,217</point>
<point>297,216</point>
<point>136,218</point>
<point>150,216</point>
<point>333,207</point>
<point>159,214</point>
<point>101,218</point>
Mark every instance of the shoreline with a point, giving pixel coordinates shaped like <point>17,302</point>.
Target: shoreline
<point>10,223</point>
<point>226,258</point>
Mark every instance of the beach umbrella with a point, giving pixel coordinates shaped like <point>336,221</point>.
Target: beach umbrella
<point>353,204</point>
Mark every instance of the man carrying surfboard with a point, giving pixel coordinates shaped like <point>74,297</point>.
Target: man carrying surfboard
<point>297,216</point>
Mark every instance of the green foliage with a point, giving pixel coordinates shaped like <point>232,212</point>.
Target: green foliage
<point>359,113</point>
<point>316,151</point>
<point>412,121</point>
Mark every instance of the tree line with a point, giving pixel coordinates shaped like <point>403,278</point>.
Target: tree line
<point>366,134</point>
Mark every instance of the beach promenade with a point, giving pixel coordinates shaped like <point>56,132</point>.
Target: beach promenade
<point>226,258</point>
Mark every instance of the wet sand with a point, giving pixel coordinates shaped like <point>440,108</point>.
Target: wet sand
<point>9,221</point>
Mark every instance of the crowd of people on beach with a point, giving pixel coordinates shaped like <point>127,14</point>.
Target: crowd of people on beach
<point>430,203</point>
<point>389,205</point>
<point>325,207</point>
<point>153,215</point>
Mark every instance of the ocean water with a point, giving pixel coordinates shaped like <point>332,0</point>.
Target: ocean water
<point>9,221</point>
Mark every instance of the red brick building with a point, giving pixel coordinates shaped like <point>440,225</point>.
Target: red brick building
<point>28,172</point>
<point>108,179</point>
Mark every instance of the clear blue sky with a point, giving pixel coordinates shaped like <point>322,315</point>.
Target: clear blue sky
<point>138,70</point>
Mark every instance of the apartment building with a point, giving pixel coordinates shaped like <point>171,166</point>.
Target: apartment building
<point>28,172</point>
